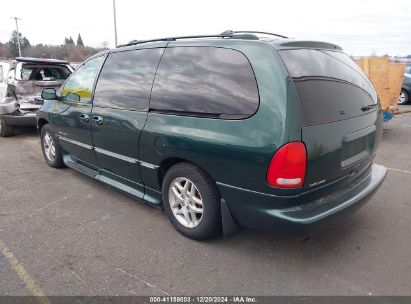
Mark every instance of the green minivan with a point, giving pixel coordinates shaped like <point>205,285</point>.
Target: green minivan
<point>245,129</point>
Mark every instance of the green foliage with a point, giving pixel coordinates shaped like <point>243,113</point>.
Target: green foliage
<point>13,43</point>
<point>67,51</point>
<point>68,41</point>
<point>79,41</point>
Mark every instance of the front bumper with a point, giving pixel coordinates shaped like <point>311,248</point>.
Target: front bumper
<point>20,119</point>
<point>252,210</point>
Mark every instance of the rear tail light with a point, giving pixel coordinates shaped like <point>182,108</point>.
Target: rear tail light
<point>288,165</point>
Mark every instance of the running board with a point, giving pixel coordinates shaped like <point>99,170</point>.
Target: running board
<point>83,169</point>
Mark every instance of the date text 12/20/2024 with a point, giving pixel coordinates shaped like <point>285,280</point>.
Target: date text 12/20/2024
<point>203,299</point>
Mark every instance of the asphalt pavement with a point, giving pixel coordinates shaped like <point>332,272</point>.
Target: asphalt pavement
<point>62,233</point>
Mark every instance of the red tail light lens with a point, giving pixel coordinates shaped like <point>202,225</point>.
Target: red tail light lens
<point>288,165</point>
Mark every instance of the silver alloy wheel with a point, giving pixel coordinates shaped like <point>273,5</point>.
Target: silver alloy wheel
<point>403,98</point>
<point>185,202</point>
<point>49,147</point>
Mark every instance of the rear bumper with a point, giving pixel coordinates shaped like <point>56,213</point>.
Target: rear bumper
<point>250,209</point>
<point>21,120</point>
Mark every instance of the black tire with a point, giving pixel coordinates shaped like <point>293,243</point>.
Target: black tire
<point>57,162</point>
<point>210,224</point>
<point>404,97</point>
<point>6,130</point>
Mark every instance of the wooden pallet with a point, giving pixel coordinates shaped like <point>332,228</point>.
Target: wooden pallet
<point>386,78</point>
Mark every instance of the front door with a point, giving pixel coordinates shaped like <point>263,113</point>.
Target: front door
<point>72,114</point>
<point>119,113</point>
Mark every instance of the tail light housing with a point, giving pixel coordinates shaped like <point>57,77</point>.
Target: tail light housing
<point>288,166</point>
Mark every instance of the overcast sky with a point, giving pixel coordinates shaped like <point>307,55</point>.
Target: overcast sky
<point>361,27</point>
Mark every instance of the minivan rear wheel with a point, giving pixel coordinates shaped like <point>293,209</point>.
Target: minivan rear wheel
<point>51,148</point>
<point>191,201</point>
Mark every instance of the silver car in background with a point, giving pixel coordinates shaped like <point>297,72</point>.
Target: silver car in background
<point>21,83</point>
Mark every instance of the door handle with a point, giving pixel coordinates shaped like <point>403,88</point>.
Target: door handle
<point>85,117</point>
<point>98,120</point>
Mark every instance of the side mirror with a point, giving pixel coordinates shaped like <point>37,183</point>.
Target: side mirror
<point>49,94</point>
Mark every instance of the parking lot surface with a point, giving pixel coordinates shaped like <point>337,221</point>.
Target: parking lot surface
<point>62,233</point>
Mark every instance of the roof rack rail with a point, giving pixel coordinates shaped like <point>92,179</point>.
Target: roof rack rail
<point>133,42</point>
<point>225,34</point>
<point>229,32</point>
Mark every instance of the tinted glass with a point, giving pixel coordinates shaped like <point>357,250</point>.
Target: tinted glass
<point>324,101</point>
<point>126,79</point>
<point>330,85</point>
<point>330,64</point>
<point>82,81</point>
<point>205,80</point>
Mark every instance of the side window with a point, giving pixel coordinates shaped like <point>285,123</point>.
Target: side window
<point>126,79</point>
<point>79,87</point>
<point>26,73</point>
<point>205,81</point>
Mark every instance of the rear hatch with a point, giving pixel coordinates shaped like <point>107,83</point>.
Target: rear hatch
<point>340,114</point>
<point>32,77</point>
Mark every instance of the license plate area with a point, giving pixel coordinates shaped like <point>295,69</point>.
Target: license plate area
<point>357,146</point>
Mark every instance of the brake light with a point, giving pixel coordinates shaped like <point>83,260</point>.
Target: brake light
<point>288,165</point>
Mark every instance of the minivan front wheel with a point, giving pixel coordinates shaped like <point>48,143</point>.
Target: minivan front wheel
<point>51,149</point>
<point>191,201</point>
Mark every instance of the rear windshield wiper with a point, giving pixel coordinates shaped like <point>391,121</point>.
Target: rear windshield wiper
<point>369,107</point>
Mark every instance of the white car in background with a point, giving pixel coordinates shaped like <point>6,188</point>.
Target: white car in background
<point>21,83</point>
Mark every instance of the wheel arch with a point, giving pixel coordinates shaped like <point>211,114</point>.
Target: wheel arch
<point>41,123</point>
<point>229,225</point>
<point>167,163</point>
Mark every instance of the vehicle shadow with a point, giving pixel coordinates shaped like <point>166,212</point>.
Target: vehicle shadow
<point>25,131</point>
<point>246,240</point>
<point>343,236</point>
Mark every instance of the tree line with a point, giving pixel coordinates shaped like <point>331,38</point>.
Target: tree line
<point>71,51</point>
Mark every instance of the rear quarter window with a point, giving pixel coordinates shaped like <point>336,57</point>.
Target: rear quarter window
<point>207,81</point>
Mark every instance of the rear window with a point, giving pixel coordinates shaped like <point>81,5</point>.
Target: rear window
<point>330,85</point>
<point>205,81</point>
<point>43,73</point>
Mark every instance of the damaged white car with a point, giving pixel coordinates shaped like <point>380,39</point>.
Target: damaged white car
<point>21,83</point>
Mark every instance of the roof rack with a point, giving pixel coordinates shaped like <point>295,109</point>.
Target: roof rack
<point>225,34</point>
<point>133,42</point>
<point>229,32</point>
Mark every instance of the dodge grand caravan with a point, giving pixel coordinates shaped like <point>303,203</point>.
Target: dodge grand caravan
<point>241,128</point>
